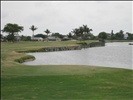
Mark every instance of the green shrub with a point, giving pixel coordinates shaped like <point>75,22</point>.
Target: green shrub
<point>23,59</point>
<point>33,50</point>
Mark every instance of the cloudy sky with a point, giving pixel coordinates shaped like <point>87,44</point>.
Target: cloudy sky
<point>63,16</point>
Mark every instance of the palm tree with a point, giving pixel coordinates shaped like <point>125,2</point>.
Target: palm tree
<point>76,32</point>
<point>33,28</point>
<point>112,35</point>
<point>82,32</point>
<point>47,32</point>
<point>11,29</point>
<point>86,29</point>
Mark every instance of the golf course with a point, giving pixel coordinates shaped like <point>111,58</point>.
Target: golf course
<point>59,82</point>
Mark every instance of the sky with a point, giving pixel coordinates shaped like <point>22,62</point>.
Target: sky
<point>64,16</point>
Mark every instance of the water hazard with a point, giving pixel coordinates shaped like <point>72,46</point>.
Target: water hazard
<point>118,55</point>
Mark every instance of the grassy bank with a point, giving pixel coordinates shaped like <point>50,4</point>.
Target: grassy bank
<point>23,82</point>
<point>119,41</point>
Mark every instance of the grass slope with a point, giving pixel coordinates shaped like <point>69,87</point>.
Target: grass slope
<point>49,82</point>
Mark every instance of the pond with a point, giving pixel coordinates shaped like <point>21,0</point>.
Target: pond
<point>116,54</point>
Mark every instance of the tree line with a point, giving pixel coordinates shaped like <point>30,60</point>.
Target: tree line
<point>81,33</point>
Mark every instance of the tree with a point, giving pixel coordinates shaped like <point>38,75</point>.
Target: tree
<point>86,29</point>
<point>112,35</point>
<point>76,32</point>
<point>83,32</point>
<point>102,35</point>
<point>40,35</point>
<point>119,35</point>
<point>33,28</point>
<point>11,29</point>
<point>57,35</point>
<point>70,35</point>
<point>130,36</point>
<point>47,32</point>
<point>90,36</point>
<point>25,38</point>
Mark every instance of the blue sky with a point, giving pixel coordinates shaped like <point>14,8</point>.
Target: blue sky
<point>63,16</point>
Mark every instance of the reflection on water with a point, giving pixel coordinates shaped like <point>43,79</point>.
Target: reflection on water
<point>112,55</point>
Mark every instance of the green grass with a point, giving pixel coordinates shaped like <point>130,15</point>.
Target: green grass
<point>119,41</point>
<point>60,82</point>
<point>24,58</point>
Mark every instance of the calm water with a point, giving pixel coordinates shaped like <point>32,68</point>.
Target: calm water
<point>119,55</point>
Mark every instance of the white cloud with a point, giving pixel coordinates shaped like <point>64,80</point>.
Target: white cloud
<point>63,16</point>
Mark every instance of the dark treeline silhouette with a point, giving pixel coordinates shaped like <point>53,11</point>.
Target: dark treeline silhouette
<point>81,33</point>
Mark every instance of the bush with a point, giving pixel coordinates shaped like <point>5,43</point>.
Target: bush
<point>23,59</point>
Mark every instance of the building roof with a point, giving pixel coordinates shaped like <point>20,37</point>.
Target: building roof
<point>51,37</point>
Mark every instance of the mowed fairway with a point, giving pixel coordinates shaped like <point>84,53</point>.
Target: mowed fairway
<point>49,82</point>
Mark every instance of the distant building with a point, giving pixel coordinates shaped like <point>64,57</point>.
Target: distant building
<point>65,38</point>
<point>53,38</point>
<point>36,38</point>
<point>125,36</point>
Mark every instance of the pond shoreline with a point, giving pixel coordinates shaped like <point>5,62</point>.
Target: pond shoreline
<point>64,48</point>
<point>52,49</point>
<point>112,55</point>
